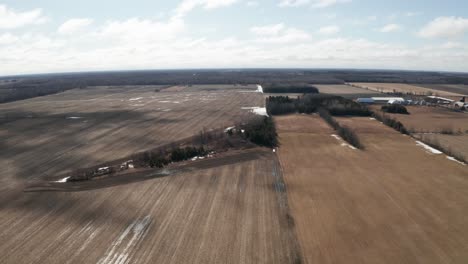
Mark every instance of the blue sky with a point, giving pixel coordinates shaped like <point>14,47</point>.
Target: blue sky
<point>61,36</point>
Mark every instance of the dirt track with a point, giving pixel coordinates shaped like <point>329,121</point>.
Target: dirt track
<point>392,203</point>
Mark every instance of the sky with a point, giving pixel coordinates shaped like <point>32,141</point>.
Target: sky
<point>44,36</point>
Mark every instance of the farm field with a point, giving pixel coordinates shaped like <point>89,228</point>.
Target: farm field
<point>431,119</point>
<point>234,213</point>
<point>452,88</point>
<point>345,90</point>
<point>210,87</point>
<point>82,127</point>
<point>405,88</point>
<point>394,202</point>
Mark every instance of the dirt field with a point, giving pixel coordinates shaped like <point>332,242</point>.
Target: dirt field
<point>345,90</point>
<point>452,88</point>
<point>404,88</point>
<point>431,119</point>
<point>83,127</point>
<point>235,213</point>
<point>391,203</point>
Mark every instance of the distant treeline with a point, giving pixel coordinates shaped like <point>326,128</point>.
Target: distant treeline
<point>343,131</point>
<point>310,103</point>
<point>23,87</point>
<point>289,88</point>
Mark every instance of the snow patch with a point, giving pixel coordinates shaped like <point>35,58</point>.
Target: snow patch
<point>457,161</point>
<point>229,129</point>
<point>135,99</point>
<point>74,117</point>
<point>343,143</point>
<point>122,247</point>
<point>259,89</point>
<point>257,110</point>
<point>63,180</point>
<point>428,149</point>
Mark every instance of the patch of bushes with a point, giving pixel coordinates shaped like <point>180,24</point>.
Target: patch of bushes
<point>343,131</point>
<point>393,123</point>
<point>289,88</point>
<point>181,154</point>
<point>261,131</point>
<point>395,109</point>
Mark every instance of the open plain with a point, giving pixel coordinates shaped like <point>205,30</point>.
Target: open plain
<point>83,127</point>
<point>234,213</point>
<point>394,202</point>
<point>405,88</point>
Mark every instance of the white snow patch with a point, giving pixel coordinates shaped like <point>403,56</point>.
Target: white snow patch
<point>194,158</point>
<point>257,110</point>
<point>457,161</point>
<point>63,180</point>
<point>428,149</point>
<point>228,129</point>
<point>259,89</point>
<point>119,252</point>
<point>135,99</point>
<point>74,117</point>
<point>343,143</point>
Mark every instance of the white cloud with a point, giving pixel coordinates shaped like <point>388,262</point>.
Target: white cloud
<point>390,28</point>
<point>252,3</point>
<point>10,19</point>
<point>278,33</point>
<point>452,45</point>
<point>329,30</point>
<point>312,3</point>
<point>268,30</point>
<point>7,38</point>
<point>74,25</point>
<point>188,5</point>
<point>445,27</point>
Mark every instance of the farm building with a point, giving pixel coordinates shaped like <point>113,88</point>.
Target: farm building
<point>381,100</point>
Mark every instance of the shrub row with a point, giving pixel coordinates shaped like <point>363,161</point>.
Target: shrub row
<point>343,131</point>
<point>397,125</point>
<point>289,88</point>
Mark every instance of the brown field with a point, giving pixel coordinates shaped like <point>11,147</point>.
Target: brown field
<point>391,203</point>
<point>431,119</point>
<point>82,127</point>
<point>405,88</point>
<point>234,213</point>
<point>231,210</point>
<point>453,88</point>
<point>345,90</point>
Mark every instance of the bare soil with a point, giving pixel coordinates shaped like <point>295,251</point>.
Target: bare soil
<point>404,88</point>
<point>392,203</point>
<point>229,213</point>
<point>431,119</point>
